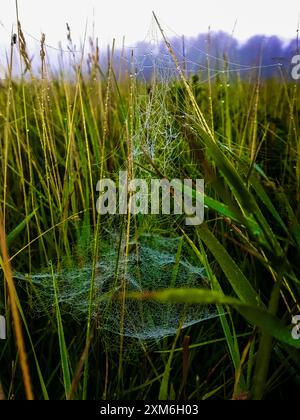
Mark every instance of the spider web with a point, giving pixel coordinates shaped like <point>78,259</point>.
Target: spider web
<point>152,265</point>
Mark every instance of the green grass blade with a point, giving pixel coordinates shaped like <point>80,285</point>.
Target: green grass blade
<point>19,229</point>
<point>255,315</point>
<point>235,276</point>
<point>62,343</point>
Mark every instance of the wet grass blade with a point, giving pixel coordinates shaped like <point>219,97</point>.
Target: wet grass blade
<point>255,315</point>
<point>164,387</point>
<point>239,283</point>
<point>62,343</point>
<point>19,229</point>
<point>230,337</point>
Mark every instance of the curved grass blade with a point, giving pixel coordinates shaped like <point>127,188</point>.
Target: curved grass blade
<point>19,229</point>
<point>254,314</point>
<point>240,284</point>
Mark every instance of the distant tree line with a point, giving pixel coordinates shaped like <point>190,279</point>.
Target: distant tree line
<point>268,55</point>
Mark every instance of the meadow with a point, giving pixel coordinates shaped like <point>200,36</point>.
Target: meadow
<point>143,306</point>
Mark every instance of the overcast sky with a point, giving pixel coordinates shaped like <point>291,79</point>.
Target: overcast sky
<point>132,18</point>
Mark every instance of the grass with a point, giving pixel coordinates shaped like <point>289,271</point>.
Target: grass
<point>59,136</point>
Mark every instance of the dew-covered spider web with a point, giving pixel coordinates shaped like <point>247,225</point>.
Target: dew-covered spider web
<point>209,58</point>
<point>153,264</point>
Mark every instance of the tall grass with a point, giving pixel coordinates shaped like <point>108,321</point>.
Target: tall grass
<point>59,136</point>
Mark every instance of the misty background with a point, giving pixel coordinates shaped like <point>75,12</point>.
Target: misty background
<point>239,40</point>
<point>268,56</point>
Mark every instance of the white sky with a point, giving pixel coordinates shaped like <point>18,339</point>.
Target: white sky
<point>132,18</point>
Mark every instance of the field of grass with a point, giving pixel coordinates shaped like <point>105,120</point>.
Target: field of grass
<point>59,136</point>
